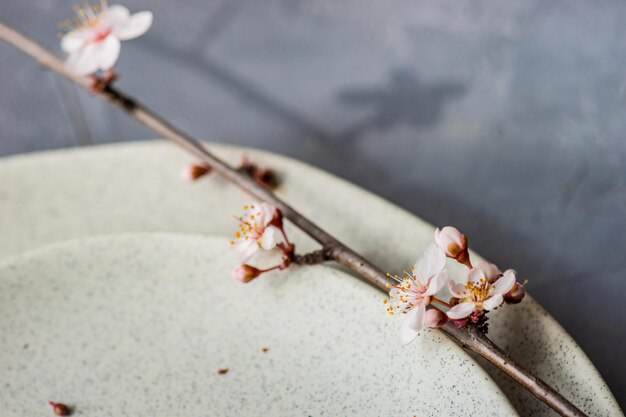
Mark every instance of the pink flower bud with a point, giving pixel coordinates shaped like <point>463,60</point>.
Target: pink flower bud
<point>192,172</point>
<point>516,294</point>
<point>267,177</point>
<point>454,244</point>
<point>435,318</point>
<point>264,176</point>
<point>245,273</point>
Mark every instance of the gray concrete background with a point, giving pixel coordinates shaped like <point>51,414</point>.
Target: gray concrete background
<point>506,119</point>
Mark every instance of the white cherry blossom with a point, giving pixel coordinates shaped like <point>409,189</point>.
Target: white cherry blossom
<point>93,41</point>
<point>256,231</point>
<point>414,291</point>
<point>483,290</point>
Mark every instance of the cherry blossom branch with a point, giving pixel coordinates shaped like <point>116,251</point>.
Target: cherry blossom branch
<point>312,258</point>
<point>469,337</point>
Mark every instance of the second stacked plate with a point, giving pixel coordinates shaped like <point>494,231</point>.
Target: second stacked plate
<point>57,196</point>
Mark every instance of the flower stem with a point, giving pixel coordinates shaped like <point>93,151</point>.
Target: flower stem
<point>262,271</point>
<point>470,338</point>
<point>282,230</point>
<point>287,249</point>
<point>443,303</point>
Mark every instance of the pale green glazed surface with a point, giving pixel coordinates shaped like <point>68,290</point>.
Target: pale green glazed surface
<point>56,196</point>
<point>138,325</point>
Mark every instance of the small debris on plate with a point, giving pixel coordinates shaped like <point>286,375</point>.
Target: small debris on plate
<point>60,409</point>
<point>265,350</point>
<point>222,371</point>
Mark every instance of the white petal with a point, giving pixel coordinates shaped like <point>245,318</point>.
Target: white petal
<point>490,271</point>
<point>461,310</point>
<point>407,335</point>
<point>266,214</point>
<point>84,61</point>
<point>493,302</point>
<point>117,16</point>
<point>431,262</point>
<point>413,323</point>
<point>415,318</point>
<point>74,40</point>
<point>457,290</point>
<point>270,238</point>
<point>504,283</point>
<point>475,275</point>
<point>436,283</point>
<point>135,26</point>
<point>107,52</point>
<point>245,249</point>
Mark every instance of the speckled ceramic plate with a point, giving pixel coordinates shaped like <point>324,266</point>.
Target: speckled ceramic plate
<point>140,325</point>
<point>55,196</point>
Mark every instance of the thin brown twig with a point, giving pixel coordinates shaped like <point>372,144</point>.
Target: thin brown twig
<point>316,257</point>
<point>468,337</point>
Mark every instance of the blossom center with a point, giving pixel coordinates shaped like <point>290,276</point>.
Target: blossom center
<point>89,17</point>
<point>100,34</point>
<point>478,291</point>
<point>249,227</point>
<point>408,293</point>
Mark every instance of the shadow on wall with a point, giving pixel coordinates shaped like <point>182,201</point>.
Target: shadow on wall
<point>404,99</point>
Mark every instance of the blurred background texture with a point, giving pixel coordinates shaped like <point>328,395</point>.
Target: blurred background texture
<point>506,119</point>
